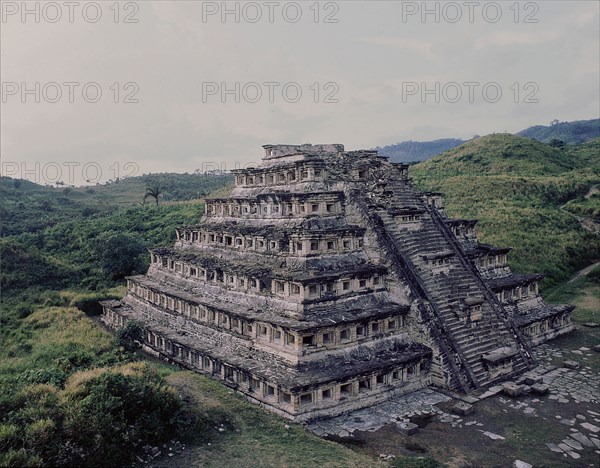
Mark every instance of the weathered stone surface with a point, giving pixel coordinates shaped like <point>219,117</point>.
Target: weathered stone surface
<point>532,380</point>
<point>521,464</point>
<point>540,389</point>
<point>573,443</point>
<point>407,428</point>
<point>513,390</point>
<point>462,409</point>
<point>567,422</point>
<point>590,427</point>
<point>493,436</point>
<point>571,364</point>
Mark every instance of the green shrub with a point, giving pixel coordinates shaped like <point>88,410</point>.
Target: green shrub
<point>98,418</point>
<point>51,375</point>
<point>19,458</point>
<point>39,435</point>
<point>24,310</point>
<point>594,275</point>
<point>34,402</point>
<point>110,411</point>
<point>130,336</point>
<point>119,254</point>
<point>9,435</point>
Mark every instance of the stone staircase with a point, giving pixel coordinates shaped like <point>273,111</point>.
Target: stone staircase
<point>463,343</point>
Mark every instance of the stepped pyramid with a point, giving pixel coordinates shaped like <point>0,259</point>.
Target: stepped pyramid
<point>327,283</point>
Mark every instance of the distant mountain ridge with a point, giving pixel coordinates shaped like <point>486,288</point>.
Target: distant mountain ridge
<point>408,151</point>
<point>571,133</point>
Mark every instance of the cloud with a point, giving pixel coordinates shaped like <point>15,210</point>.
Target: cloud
<point>407,44</point>
<point>516,38</point>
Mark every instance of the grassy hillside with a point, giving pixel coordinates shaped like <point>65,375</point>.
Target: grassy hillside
<point>563,133</point>
<point>516,188</point>
<point>571,133</point>
<point>29,207</point>
<point>74,253</point>
<point>500,154</point>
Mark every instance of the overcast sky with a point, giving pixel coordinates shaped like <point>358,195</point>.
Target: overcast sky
<point>376,70</point>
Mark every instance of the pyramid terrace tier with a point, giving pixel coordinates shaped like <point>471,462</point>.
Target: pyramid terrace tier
<point>304,240</point>
<point>300,171</point>
<point>516,288</point>
<point>329,386</point>
<point>490,261</point>
<point>197,269</point>
<point>464,230</point>
<point>337,329</point>
<point>308,171</point>
<point>546,322</point>
<point>276,152</point>
<point>278,206</point>
<point>539,322</point>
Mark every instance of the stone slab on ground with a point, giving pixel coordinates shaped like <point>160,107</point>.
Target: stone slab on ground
<point>396,409</point>
<point>590,427</point>
<point>512,389</point>
<point>493,436</point>
<point>554,448</point>
<point>532,380</point>
<point>573,443</point>
<point>407,428</point>
<point>540,389</point>
<point>564,447</point>
<point>567,422</point>
<point>471,400</point>
<point>462,409</point>
<point>571,364</point>
<point>491,391</point>
<point>521,464</point>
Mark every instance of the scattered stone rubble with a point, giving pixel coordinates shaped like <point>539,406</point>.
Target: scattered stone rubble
<point>569,385</point>
<point>399,410</point>
<point>327,283</point>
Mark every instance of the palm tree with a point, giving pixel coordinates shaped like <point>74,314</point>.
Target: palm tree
<point>153,191</point>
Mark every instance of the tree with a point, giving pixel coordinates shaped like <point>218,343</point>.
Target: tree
<point>130,336</point>
<point>119,254</point>
<point>154,191</point>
